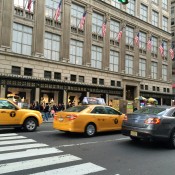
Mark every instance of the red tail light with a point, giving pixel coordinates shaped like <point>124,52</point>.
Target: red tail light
<point>152,121</point>
<point>72,116</point>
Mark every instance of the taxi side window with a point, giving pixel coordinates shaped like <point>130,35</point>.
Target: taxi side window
<point>112,111</point>
<point>98,110</point>
<point>6,105</point>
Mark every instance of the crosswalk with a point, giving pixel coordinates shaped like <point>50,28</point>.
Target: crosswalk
<point>20,155</point>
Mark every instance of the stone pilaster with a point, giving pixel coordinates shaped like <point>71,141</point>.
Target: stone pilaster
<point>66,29</point>
<point>38,46</point>
<point>6,15</point>
<point>88,37</point>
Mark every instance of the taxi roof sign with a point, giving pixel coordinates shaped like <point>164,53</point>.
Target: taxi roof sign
<point>93,100</point>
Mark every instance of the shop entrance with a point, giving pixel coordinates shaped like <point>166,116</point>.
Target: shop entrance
<point>130,92</point>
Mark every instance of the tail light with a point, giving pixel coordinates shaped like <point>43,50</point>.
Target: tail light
<point>125,118</point>
<point>72,116</point>
<point>55,117</point>
<point>152,121</point>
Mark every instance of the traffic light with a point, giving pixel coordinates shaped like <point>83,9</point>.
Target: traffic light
<point>123,1</point>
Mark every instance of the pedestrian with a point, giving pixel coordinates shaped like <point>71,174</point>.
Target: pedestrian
<point>46,112</point>
<point>37,106</point>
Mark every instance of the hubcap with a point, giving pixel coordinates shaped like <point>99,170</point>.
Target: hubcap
<point>30,125</point>
<point>90,130</point>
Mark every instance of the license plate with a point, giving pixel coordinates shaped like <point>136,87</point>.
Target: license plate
<point>60,119</point>
<point>133,133</point>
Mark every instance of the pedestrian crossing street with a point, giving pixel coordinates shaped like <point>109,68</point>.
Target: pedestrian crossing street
<point>18,155</point>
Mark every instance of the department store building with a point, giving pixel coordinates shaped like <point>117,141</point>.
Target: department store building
<point>54,60</point>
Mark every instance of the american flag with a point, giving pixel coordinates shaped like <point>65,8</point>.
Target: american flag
<point>136,39</point>
<point>29,5</point>
<point>104,28</point>
<point>149,44</point>
<point>172,52</point>
<point>83,20</point>
<point>58,11</point>
<point>161,49</point>
<point>119,35</point>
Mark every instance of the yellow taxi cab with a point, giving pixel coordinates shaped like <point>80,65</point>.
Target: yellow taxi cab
<point>12,115</point>
<point>88,119</point>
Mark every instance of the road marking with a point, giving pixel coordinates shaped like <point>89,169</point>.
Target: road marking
<point>12,137</point>
<point>87,143</point>
<point>35,163</point>
<point>80,169</point>
<point>18,147</point>
<point>29,153</point>
<point>12,142</point>
<point>6,135</point>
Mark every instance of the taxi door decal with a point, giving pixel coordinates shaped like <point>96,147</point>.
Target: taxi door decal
<point>12,114</point>
<point>115,120</point>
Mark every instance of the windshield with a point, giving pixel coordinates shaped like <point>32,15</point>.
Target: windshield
<point>152,110</point>
<point>76,109</point>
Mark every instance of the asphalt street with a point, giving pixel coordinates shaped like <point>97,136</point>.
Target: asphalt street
<point>105,154</point>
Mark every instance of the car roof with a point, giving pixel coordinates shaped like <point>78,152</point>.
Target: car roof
<point>159,106</point>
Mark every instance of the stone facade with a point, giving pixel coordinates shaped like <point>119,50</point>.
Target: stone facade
<point>39,64</point>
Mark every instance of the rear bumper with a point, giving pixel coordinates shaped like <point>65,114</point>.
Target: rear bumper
<point>143,133</point>
<point>66,126</point>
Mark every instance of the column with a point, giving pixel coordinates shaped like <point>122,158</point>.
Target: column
<point>65,97</point>
<point>66,30</point>
<point>39,28</point>
<point>160,58</point>
<point>2,91</point>
<point>124,90</point>
<point>122,48</point>
<point>148,60</point>
<point>37,94</point>
<point>6,14</point>
<point>136,55</point>
<point>88,37</point>
<point>87,94</point>
<point>106,47</point>
<point>107,99</point>
<point>56,97</point>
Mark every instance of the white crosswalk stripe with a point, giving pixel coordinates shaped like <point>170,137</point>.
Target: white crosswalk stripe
<point>6,135</point>
<point>80,169</point>
<point>29,153</point>
<point>12,142</point>
<point>20,147</point>
<point>12,138</point>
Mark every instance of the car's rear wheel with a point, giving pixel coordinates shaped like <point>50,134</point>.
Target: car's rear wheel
<point>90,130</point>
<point>30,124</point>
<point>172,140</point>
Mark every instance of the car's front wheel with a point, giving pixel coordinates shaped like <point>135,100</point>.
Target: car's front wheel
<point>90,130</point>
<point>172,140</point>
<point>30,124</point>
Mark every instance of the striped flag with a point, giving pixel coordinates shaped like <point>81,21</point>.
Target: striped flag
<point>172,52</point>
<point>83,20</point>
<point>104,28</point>
<point>149,43</point>
<point>58,11</point>
<point>161,49</point>
<point>119,36</point>
<point>136,39</point>
<point>29,5</point>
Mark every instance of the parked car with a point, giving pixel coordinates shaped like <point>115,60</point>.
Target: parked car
<point>152,123</point>
<point>88,119</point>
<point>12,115</point>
